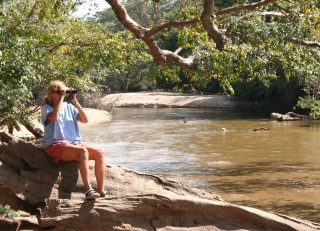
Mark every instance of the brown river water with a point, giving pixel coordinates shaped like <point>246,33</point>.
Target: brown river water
<point>276,169</point>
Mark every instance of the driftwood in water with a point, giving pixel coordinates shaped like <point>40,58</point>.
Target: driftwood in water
<point>251,130</point>
<point>290,116</point>
<point>259,129</point>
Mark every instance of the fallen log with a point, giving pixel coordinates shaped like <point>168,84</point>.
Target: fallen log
<point>290,116</point>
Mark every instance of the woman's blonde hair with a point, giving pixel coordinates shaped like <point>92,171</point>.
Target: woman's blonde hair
<point>54,86</point>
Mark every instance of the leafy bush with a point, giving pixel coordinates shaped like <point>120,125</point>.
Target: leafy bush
<point>6,211</point>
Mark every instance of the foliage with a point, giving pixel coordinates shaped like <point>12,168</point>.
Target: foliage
<point>311,104</point>
<point>261,60</point>
<point>265,58</point>
<point>40,42</point>
<point>133,57</point>
<point>6,211</point>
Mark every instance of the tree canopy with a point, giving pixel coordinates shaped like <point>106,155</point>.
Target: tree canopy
<point>254,49</point>
<point>40,41</point>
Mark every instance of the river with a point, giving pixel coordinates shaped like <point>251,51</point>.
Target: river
<point>276,168</point>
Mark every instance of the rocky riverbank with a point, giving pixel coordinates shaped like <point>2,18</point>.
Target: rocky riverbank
<point>51,197</point>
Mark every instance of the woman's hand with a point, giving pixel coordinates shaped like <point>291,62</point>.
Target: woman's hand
<point>62,94</point>
<point>57,98</point>
<point>73,96</point>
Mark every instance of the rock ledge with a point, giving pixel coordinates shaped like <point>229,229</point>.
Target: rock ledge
<point>29,181</point>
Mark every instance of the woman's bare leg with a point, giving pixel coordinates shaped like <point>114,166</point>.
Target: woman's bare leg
<point>97,155</point>
<point>81,154</point>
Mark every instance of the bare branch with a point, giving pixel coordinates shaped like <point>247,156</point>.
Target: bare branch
<point>32,111</point>
<point>178,50</point>
<point>126,20</point>
<point>147,35</point>
<point>54,47</point>
<point>156,52</point>
<point>283,10</point>
<point>244,7</point>
<point>183,62</point>
<point>271,14</point>
<point>212,30</point>
<point>137,30</point>
<point>37,132</point>
<point>32,10</point>
<point>305,43</point>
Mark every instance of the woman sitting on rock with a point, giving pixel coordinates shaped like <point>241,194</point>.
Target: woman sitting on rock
<point>62,139</point>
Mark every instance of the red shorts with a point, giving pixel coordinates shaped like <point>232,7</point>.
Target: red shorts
<point>56,150</point>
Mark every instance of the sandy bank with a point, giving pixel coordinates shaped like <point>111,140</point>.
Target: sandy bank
<point>167,99</point>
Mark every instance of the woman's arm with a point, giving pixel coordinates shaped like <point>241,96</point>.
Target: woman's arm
<point>82,117</point>
<point>54,115</point>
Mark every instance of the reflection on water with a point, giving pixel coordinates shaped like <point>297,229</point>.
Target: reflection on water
<point>275,170</point>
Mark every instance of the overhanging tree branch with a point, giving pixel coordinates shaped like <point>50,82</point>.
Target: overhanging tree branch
<point>243,7</point>
<point>138,30</point>
<point>147,35</point>
<point>126,20</point>
<point>305,43</point>
<point>56,46</point>
<point>32,10</point>
<point>264,14</point>
<point>174,57</point>
<point>160,56</point>
<point>208,24</point>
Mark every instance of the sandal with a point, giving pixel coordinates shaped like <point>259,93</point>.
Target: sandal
<point>91,194</point>
<point>104,193</point>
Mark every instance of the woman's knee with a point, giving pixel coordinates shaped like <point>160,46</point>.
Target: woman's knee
<point>98,154</point>
<point>83,153</point>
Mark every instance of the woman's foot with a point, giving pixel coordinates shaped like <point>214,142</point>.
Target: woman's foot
<point>104,193</point>
<point>91,194</point>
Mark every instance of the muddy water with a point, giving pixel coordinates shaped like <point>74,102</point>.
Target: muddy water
<point>277,169</point>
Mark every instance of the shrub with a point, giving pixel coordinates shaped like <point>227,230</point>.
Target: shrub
<point>6,211</point>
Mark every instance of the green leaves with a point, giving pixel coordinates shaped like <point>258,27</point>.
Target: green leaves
<point>6,211</point>
<point>265,55</point>
<point>40,42</point>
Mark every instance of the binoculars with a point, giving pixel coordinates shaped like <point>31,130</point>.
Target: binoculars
<point>71,91</point>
